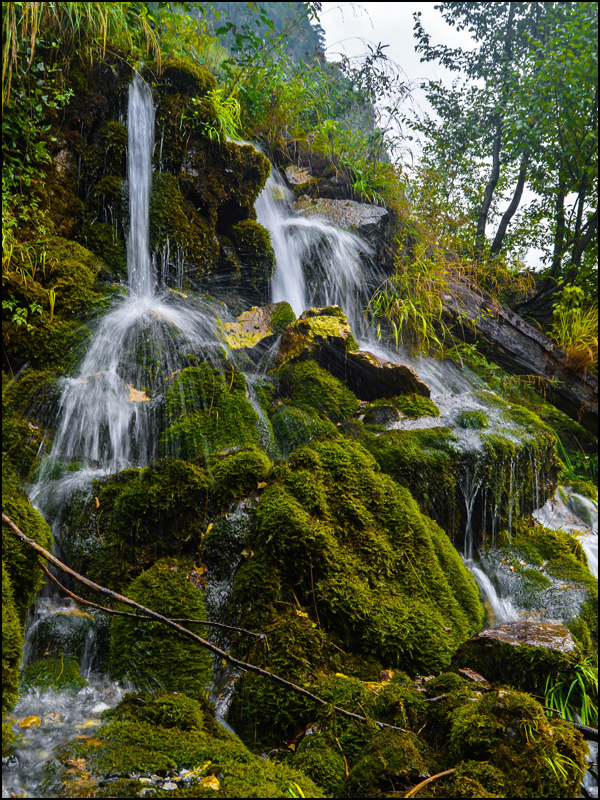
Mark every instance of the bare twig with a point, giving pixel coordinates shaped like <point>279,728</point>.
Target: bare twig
<point>106,610</point>
<point>180,629</point>
<point>412,792</point>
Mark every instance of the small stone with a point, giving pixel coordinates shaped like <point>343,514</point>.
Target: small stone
<point>211,782</point>
<point>145,780</point>
<point>10,762</point>
<point>52,719</point>
<point>169,786</point>
<point>471,675</point>
<point>30,722</point>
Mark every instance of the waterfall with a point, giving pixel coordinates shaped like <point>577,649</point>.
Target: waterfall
<point>140,125</point>
<point>318,264</point>
<point>499,609</point>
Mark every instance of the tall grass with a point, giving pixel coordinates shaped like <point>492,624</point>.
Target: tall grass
<point>575,330</point>
<point>575,696</point>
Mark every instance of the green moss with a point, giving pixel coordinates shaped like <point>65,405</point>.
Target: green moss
<point>391,762</point>
<point>585,488</point>
<point>282,316</point>
<point>140,515</point>
<point>164,709</point>
<point>106,154</point>
<point>207,412</point>
<point>414,406</point>
<point>295,426</point>
<point>134,740</point>
<point>320,757</point>
<point>426,462</point>
<point>476,779</point>
<point>53,673</point>
<point>343,544</point>
<point>144,652</point>
<point>538,757</point>
<point>252,245</point>
<point>12,645</point>
<point>312,388</point>
<point>174,222</point>
<point>21,562</point>
<point>182,75</point>
<point>473,418</point>
<point>238,475</point>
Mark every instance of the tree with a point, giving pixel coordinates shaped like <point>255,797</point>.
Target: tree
<point>522,114</point>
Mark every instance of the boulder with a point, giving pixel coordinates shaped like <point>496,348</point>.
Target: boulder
<point>371,377</point>
<point>360,218</point>
<point>521,654</point>
<point>322,334</point>
<point>298,176</point>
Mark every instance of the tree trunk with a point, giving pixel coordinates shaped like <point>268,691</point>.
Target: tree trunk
<point>521,349</point>
<point>514,204</point>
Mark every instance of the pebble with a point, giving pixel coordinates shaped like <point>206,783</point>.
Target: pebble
<point>169,786</point>
<point>10,762</point>
<point>29,722</point>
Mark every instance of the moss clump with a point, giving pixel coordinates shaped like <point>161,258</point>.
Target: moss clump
<point>53,673</point>
<point>294,427</point>
<point>427,463</point>
<point>312,388</point>
<point>476,779</point>
<point>538,757</point>
<point>414,406</point>
<point>238,475</point>
<point>12,644</point>
<point>140,515</point>
<point>392,761</point>
<point>207,412</point>
<point>344,544</point>
<point>21,563</point>
<point>135,739</point>
<point>473,419</point>
<point>143,652</point>
<point>252,245</point>
<point>319,756</point>
<point>282,316</point>
<point>182,75</point>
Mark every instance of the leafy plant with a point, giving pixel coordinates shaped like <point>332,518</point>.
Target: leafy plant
<point>575,696</point>
<point>575,329</point>
<point>19,313</point>
<point>224,111</point>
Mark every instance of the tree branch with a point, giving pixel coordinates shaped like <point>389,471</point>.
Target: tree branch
<point>514,204</point>
<point>194,637</point>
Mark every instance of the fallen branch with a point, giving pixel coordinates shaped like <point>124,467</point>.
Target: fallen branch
<point>416,788</point>
<point>180,629</point>
<point>113,611</point>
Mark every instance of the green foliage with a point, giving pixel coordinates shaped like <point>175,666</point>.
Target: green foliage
<point>575,693</point>
<point>475,419</point>
<point>12,644</point>
<point>414,406</point>
<point>142,653</point>
<point>575,329</point>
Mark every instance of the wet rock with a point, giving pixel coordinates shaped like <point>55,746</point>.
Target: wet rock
<point>259,325</point>
<point>381,415</point>
<point>361,218</point>
<point>169,786</point>
<point>298,176</point>
<point>29,722</point>
<point>520,654</point>
<point>371,377</point>
<point>475,677</point>
<point>10,762</point>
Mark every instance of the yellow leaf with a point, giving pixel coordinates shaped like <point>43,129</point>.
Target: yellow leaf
<point>247,552</point>
<point>301,613</point>
<point>97,503</point>
<point>211,783</point>
<point>209,529</point>
<point>89,723</point>
<point>135,395</point>
<point>262,485</point>
<point>29,722</point>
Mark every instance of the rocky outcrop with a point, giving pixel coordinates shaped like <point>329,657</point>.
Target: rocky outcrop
<point>371,377</point>
<point>360,218</point>
<point>258,326</point>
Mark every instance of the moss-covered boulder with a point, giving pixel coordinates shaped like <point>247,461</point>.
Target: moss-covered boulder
<point>538,757</point>
<point>343,547</point>
<point>371,377</point>
<point>133,518</point>
<point>313,389</point>
<point>154,735</point>
<point>254,258</point>
<point>522,654</point>
<point>294,426</point>
<point>143,652</point>
<point>53,672</point>
<point>320,333</point>
<point>207,412</point>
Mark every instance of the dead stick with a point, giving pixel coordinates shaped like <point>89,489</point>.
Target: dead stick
<point>106,610</point>
<point>416,788</point>
<point>176,627</point>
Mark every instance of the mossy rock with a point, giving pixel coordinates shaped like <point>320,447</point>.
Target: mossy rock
<point>57,673</point>
<point>143,652</point>
<point>181,75</point>
<point>64,632</point>
<point>392,762</point>
<point>474,419</point>
<point>258,325</point>
<point>319,756</point>
<point>12,645</point>
<point>147,734</point>
<point>175,225</point>
<point>208,412</point>
<point>539,757</point>
<point>254,253</point>
<point>238,475</point>
<point>319,333</point>
<point>296,426</point>
<point>21,562</point>
<point>311,388</point>
<point>106,153</point>
<point>521,654</point>
<point>341,543</point>
<point>133,518</point>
